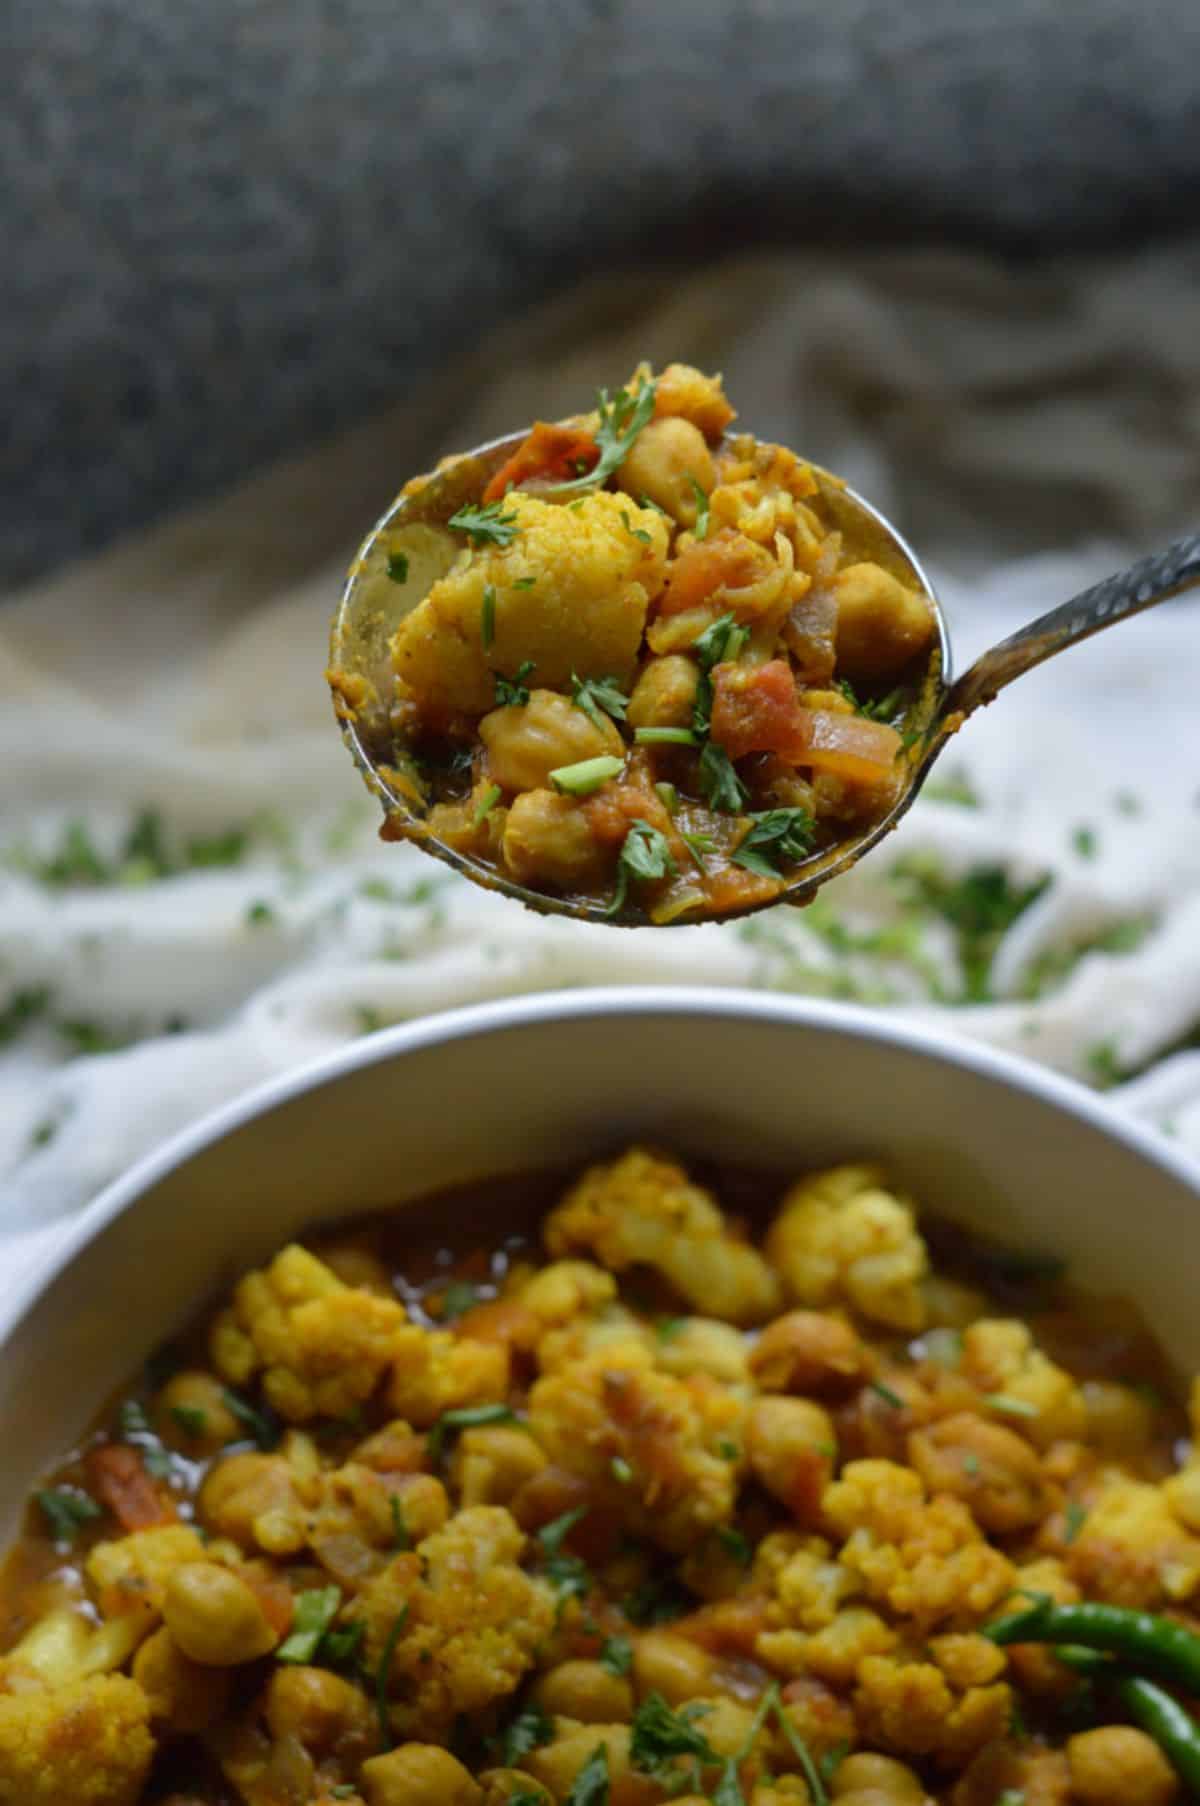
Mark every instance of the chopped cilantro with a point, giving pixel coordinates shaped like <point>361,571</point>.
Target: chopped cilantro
<point>467,1417</point>
<point>970,1463</point>
<point>712,647</point>
<point>728,1451</point>
<point>190,1418</point>
<point>66,1510</point>
<point>697,845</point>
<point>1012,1796</point>
<point>25,1004</point>
<point>620,1469</point>
<point>980,908</point>
<point>719,782</point>
<point>645,854</point>
<point>263,1425</point>
<point>616,1655</point>
<point>734,1544</point>
<point>514,693</point>
<point>591,694</point>
<point>668,796</point>
<point>487,617</point>
<point>881,709</point>
<point>1074,1517</point>
<point>635,532</point>
<point>340,1646</point>
<point>459,1297</point>
<point>218,849</point>
<point>656,1601</point>
<point>777,837</point>
<point>590,1786</point>
<point>701,527</point>
<point>487,802</point>
<point>886,1394</point>
<point>667,1328</point>
<point>622,418</point>
<point>1104,1065</point>
<point>523,582</point>
<point>43,1133</point>
<point>314,1611</point>
<point>552,1536</point>
<point>400,1537</point>
<point>528,1731</point>
<point>802,1753</point>
<point>956,787</point>
<point>397,567</point>
<point>488,525</point>
<point>89,1037</point>
<point>1126,803</point>
<point>1085,842</point>
<point>259,914</point>
<point>659,1735</point>
<point>586,775</point>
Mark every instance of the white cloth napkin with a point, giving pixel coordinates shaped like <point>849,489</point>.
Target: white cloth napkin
<point>1029,431</point>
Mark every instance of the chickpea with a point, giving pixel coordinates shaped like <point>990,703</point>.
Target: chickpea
<point>666,1663</point>
<point>359,1267</point>
<point>869,1780</point>
<point>256,1500</point>
<point>587,1691</point>
<point>419,1774</point>
<point>548,840</point>
<point>665,693</point>
<point>809,1352</point>
<point>191,1414</point>
<point>214,1616</point>
<point>325,1713</point>
<point>492,1462</point>
<point>881,624</point>
<point>1118,1763</point>
<point>183,1696</point>
<point>993,1469</point>
<point>666,457</point>
<point>525,745</point>
<point>558,1763</point>
<point>500,1785</point>
<point>1120,1423</point>
<point>790,1443</point>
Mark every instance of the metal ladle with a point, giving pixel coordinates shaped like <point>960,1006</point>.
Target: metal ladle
<point>373,604</point>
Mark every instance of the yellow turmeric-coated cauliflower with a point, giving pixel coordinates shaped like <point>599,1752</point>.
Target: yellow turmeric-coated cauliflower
<point>840,1235</point>
<point>470,1621</point>
<point>642,1210</point>
<point>321,1346</point>
<point>1001,1358</point>
<point>433,1371</point>
<point>924,1559</point>
<point>1132,1550</point>
<point>645,1443</point>
<point>130,1574</point>
<point>911,1708</point>
<point>85,1744</point>
<point>571,590</point>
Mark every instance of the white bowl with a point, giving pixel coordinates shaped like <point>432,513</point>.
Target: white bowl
<point>996,1143</point>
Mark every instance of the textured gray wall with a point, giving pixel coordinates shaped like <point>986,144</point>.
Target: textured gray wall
<point>231,226</point>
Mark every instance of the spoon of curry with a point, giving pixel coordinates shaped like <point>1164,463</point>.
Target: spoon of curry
<point>373,603</point>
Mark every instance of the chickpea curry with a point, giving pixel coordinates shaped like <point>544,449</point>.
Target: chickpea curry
<point>635,1506</point>
<point>649,664</point>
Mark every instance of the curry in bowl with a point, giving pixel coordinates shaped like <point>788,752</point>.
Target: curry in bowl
<point>649,663</point>
<point>702,1487</point>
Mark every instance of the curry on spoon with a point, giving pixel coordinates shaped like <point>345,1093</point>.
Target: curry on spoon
<point>639,667</point>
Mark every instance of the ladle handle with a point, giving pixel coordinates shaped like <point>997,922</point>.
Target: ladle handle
<point>1151,580</point>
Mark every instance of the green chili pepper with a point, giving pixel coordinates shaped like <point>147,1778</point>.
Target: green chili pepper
<point>1160,1715</point>
<point>1140,1638</point>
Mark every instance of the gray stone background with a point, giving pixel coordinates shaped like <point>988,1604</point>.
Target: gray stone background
<point>231,227</point>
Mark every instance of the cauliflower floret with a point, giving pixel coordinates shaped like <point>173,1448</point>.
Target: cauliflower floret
<point>612,1327</point>
<point>470,1620</point>
<point>564,1289</point>
<point>704,1345</point>
<point>434,1371</point>
<point>809,1585</point>
<point>833,1653</point>
<point>1132,1550</point>
<point>526,742</point>
<point>841,1235</point>
<point>594,568</point>
<point>924,1559</point>
<point>321,1345</point>
<point>911,1708</point>
<point>644,1442</point>
<point>131,1573</point>
<point>87,1743</point>
<point>642,1210</point>
<point>65,1646</point>
<point>1000,1357</point>
<point>684,390</point>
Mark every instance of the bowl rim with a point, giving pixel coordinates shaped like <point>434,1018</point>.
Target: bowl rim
<point>1012,1071</point>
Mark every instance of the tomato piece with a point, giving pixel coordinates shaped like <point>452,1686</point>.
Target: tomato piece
<point>727,561</point>
<point>757,711</point>
<point>554,453</point>
<point>120,1481</point>
<point>851,746</point>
